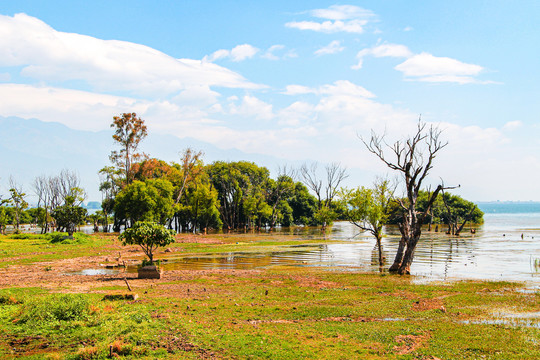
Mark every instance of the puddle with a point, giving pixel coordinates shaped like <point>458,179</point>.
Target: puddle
<point>530,319</point>
<point>92,272</point>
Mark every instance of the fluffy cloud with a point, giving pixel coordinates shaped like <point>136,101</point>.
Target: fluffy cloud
<point>426,67</point>
<point>332,48</point>
<point>238,53</point>
<point>338,18</point>
<point>49,55</point>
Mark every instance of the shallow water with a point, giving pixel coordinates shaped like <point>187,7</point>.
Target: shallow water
<point>496,252</point>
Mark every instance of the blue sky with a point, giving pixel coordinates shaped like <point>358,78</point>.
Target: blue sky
<point>299,80</point>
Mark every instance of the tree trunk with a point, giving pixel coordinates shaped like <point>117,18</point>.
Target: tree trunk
<point>405,267</point>
<point>379,246</point>
<point>399,256</point>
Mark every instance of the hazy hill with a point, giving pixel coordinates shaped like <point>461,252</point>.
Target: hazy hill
<point>30,147</point>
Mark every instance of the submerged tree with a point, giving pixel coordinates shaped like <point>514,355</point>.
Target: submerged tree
<point>413,158</point>
<point>368,209</point>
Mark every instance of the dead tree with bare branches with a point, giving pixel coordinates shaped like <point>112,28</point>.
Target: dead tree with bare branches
<point>413,158</point>
<point>325,191</point>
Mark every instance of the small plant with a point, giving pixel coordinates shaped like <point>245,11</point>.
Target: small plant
<point>149,236</point>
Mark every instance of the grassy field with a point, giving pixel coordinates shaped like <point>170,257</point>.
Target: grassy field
<point>273,313</point>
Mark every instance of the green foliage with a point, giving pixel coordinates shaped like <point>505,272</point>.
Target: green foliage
<point>57,307</point>
<point>69,215</point>
<point>149,236</point>
<point>303,205</point>
<point>150,200</point>
<point>368,209</point>
<point>439,214</point>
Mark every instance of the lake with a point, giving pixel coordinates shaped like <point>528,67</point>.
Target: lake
<point>505,247</point>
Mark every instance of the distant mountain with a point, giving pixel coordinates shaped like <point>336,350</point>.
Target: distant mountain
<point>30,148</point>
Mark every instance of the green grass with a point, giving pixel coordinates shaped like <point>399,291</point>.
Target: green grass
<point>299,313</point>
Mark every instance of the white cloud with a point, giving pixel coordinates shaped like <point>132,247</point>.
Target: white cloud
<point>512,125</point>
<point>236,54</point>
<point>332,48</point>
<point>270,54</point>
<point>340,87</point>
<point>77,109</point>
<point>342,12</point>
<point>384,50</point>
<point>252,107</point>
<point>298,90</point>
<point>339,18</point>
<point>426,67</point>
<point>49,55</point>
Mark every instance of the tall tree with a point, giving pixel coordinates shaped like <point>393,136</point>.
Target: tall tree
<point>129,132</point>
<point>413,158</point>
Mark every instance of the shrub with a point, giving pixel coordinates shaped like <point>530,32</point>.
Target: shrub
<point>149,236</point>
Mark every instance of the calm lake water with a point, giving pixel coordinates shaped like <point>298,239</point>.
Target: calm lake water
<point>497,251</point>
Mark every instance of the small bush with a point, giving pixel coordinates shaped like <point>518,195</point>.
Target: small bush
<point>65,307</point>
<point>63,238</point>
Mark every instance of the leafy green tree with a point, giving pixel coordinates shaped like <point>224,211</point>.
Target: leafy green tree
<point>150,200</point>
<point>17,201</point>
<point>303,205</point>
<point>3,220</point>
<point>457,212</point>
<point>149,236</point>
<point>236,182</point>
<point>69,215</point>
<point>369,209</point>
<point>277,191</point>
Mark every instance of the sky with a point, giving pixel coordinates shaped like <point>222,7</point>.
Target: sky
<point>297,80</point>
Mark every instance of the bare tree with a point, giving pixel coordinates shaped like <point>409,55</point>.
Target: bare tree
<point>42,190</point>
<point>413,158</point>
<point>325,191</point>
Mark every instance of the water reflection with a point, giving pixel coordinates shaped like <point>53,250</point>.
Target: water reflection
<point>497,251</point>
